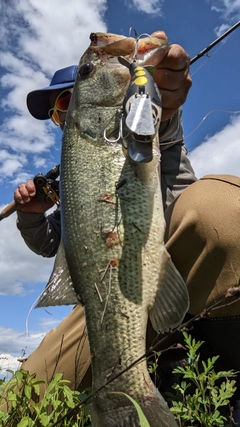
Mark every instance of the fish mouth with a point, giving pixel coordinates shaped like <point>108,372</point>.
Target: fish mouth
<point>110,46</point>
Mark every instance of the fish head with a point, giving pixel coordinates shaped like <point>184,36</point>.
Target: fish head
<point>102,80</point>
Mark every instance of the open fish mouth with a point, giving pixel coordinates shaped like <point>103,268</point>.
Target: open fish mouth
<point>146,51</point>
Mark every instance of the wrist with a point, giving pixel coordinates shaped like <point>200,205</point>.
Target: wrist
<point>171,130</point>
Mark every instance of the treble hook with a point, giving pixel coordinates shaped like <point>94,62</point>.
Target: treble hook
<point>135,32</point>
<point>111,141</point>
<point>137,40</point>
<point>120,133</point>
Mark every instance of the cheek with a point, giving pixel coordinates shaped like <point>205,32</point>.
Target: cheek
<point>62,117</point>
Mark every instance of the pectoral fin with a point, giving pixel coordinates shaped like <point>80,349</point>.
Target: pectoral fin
<point>59,290</point>
<point>172,300</point>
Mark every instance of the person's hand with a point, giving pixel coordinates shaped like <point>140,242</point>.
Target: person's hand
<point>25,195</point>
<point>172,77</point>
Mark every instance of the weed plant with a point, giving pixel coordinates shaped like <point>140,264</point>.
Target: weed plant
<point>20,399</point>
<point>198,398</point>
<point>201,395</point>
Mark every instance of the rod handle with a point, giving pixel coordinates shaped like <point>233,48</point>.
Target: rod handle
<point>9,209</point>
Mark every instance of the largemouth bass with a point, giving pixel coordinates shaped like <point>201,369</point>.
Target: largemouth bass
<point>113,238</point>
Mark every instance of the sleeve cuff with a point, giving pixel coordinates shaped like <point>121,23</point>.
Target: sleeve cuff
<point>171,130</point>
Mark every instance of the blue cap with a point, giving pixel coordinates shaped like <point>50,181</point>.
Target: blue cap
<point>38,102</point>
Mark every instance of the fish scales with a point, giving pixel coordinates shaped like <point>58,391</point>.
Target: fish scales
<point>121,335</point>
<point>113,238</point>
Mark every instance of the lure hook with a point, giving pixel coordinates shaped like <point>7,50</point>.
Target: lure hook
<point>120,133</point>
<point>137,40</point>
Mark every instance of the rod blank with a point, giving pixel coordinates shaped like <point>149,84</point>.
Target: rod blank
<point>211,45</point>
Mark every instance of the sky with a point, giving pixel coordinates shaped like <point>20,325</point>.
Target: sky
<point>37,38</point>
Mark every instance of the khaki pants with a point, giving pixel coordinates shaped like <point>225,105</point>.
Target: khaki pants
<point>202,236</point>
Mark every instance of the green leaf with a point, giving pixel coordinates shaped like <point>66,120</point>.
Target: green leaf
<point>12,397</point>
<point>44,418</point>
<point>19,377</point>
<point>28,391</point>
<point>143,420</point>
<point>25,422</point>
<point>36,389</point>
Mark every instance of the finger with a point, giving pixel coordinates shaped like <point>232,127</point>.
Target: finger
<point>159,35</point>
<point>172,80</point>
<point>176,58</point>
<point>18,196</point>
<point>30,186</point>
<point>173,99</point>
<point>21,194</point>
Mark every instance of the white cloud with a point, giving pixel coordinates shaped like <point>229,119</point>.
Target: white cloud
<point>149,7</point>
<point>217,154</point>
<point>16,344</point>
<point>9,163</point>
<point>18,265</point>
<point>229,9</point>
<point>220,30</point>
<point>8,362</point>
<point>37,39</point>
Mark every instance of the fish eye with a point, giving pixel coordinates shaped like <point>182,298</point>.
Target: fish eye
<point>85,69</point>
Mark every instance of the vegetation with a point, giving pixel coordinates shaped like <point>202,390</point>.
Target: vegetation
<point>200,392</point>
<point>198,396</point>
<point>20,399</point>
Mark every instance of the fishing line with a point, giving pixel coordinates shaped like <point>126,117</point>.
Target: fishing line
<point>210,112</point>
<point>200,66</point>
<point>207,57</point>
<point>196,128</point>
<point>31,309</point>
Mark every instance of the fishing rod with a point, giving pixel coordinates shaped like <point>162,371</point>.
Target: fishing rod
<point>47,190</point>
<point>214,43</point>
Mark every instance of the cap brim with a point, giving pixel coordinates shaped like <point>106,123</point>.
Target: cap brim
<point>38,101</point>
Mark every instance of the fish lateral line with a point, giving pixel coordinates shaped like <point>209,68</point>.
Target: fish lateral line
<point>108,294</point>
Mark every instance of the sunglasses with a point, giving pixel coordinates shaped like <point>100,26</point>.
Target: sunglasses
<point>61,104</point>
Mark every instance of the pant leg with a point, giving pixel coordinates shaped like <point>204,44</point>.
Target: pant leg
<point>64,349</point>
<point>202,237</point>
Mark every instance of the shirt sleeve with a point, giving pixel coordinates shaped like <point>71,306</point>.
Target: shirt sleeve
<point>176,170</point>
<point>41,233</point>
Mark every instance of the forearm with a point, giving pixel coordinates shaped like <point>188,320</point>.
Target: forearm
<point>171,131</point>
<point>41,233</point>
<point>176,170</point>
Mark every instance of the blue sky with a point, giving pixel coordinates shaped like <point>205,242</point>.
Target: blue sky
<point>37,38</point>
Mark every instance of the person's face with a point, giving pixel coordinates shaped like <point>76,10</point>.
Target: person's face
<point>62,117</point>
<point>59,101</point>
